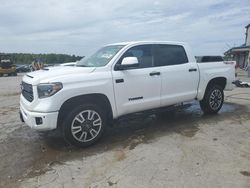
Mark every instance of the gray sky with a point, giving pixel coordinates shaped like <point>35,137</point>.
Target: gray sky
<point>81,26</point>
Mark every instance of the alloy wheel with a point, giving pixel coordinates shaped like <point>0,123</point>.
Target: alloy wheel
<point>86,125</point>
<point>215,99</point>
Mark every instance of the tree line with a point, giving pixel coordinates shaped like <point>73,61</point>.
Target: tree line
<point>27,58</point>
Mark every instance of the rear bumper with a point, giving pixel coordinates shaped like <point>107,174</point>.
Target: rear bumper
<point>39,120</point>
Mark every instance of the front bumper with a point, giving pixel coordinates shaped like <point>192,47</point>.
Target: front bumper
<point>39,120</point>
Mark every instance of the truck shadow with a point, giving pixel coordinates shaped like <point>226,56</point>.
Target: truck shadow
<point>185,122</point>
<point>33,153</point>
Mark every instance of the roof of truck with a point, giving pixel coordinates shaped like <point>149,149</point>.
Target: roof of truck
<point>147,42</point>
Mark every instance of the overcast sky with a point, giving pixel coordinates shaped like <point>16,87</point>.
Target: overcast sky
<point>81,26</point>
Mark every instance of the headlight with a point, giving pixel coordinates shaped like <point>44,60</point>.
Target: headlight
<point>47,90</point>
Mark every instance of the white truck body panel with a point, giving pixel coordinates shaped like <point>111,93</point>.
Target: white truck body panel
<point>208,71</point>
<point>176,88</point>
<point>138,83</point>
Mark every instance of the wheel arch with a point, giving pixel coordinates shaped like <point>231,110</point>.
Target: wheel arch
<point>204,86</point>
<point>221,81</point>
<point>96,98</point>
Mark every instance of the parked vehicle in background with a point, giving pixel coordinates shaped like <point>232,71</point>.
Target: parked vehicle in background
<point>211,59</point>
<point>22,68</point>
<point>205,59</point>
<point>7,67</point>
<point>118,80</point>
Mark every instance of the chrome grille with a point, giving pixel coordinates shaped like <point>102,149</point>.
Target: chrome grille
<point>27,91</point>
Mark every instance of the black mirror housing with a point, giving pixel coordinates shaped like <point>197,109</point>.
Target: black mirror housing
<point>125,67</point>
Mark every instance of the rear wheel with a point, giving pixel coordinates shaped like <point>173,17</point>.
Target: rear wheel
<point>84,125</point>
<point>213,100</point>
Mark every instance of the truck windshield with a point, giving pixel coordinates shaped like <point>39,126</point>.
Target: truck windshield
<point>101,57</point>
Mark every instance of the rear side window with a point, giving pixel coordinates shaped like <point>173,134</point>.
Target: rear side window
<point>169,55</point>
<point>143,54</point>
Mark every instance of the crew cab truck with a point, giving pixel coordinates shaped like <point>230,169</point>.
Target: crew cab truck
<point>117,80</point>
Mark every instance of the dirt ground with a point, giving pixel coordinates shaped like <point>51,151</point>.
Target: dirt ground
<point>183,149</point>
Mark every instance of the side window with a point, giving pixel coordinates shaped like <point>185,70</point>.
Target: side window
<point>143,54</point>
<point>169,55</point>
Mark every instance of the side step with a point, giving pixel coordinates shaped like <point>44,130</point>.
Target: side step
<point>145,113</point>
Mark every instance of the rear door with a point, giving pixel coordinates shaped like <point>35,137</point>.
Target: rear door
<point>139,88</point>
<point>179,76</point>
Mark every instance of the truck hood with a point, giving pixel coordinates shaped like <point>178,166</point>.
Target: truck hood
<point>52,73</point>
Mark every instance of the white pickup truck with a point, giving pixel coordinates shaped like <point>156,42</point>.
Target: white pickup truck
<point>117,80</point>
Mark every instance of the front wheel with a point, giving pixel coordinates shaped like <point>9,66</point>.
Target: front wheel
<point>84,125</point>
<point>213,100</point>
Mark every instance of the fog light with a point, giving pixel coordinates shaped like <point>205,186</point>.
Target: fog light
<point>39,120</point>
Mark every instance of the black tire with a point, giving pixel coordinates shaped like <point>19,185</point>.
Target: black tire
<point>84,137</point>
<point>212,100</point>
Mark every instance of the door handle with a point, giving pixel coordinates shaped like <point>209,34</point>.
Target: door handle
<point>192,70</point>
<point>154,73</point>
<point>119,81</point>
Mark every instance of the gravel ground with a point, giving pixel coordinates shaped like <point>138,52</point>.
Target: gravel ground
<point>182,149</point>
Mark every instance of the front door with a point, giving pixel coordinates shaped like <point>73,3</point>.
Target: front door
<point>139,88</point>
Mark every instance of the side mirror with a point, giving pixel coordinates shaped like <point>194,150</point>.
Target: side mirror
<point>127,62</point>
